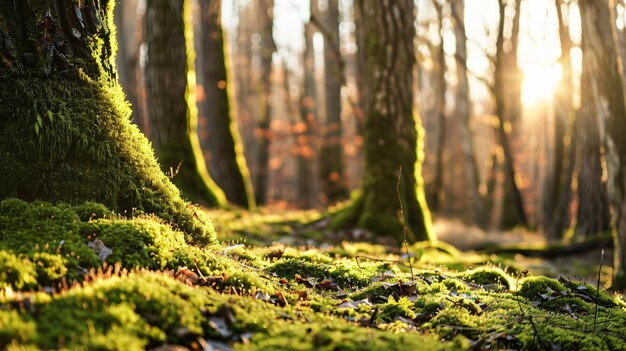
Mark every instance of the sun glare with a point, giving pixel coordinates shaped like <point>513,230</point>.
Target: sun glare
<point>539,83</point>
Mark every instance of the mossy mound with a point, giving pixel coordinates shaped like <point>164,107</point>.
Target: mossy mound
<point>353,296</point>
<point>71,140</point>
<point>145,310</point>
<point>42,243</point>
<point>491,277</point>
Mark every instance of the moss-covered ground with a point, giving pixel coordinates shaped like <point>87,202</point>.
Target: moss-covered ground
<point>83,278</point>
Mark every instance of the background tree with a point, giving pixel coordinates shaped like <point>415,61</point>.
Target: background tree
<point>65,131</point>
<point>462,114</point>
<point>219,133</point>
<point>393,136</point>
<point>170,85</point>
<point>593,214</point>
<point>559,191</point>
<point>268,47</point>
<point>437,191</point>
<point>129,26</point>
<point>605,95</point>
<point>308,116</point>
<point>507,97</point>
<point>331,153</point>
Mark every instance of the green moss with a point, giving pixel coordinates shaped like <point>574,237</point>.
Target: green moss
<point>344,273</point>
<point>41,243</point>
<point>91,210</point>
<point>16,271</point>
<point>393,309</point>
<point>139,242</point>
<point>15,328</point>
<point>489,276</point>
<point>51,268</point>
<point>147,306</point>
<point>532,287</point>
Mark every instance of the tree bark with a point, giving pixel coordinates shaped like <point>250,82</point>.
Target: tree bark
<point>128,40</point>
<point>170,86</point>
<point>65,131</point>
<point>331,154</point>
<point>606,95</point>
<point>393,135</point>
<point>507,111</point>
<point>220,135</point>
<point>593,202</point>
<point>437,191</point>
<point>308,115</point>
<point>268,47</point>
<point>463,114</point>
<point>559,188</point>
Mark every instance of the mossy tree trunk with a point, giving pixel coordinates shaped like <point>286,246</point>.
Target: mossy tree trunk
<point>220,135</point>
<point>333,180</point>
<point>65,130</point>
<point>170,86</point>
<point>462,114</point>
<point>393,135</point>
<point>605,93</point>
<point>507,96</point>
<point>268,47</point>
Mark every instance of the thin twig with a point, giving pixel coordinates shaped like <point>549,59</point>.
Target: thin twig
<point>403,222</point>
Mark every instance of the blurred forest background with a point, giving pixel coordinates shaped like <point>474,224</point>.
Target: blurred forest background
<point>498,90</point>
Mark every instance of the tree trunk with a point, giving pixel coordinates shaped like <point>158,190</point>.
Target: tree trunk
<point>245,85</point>
<point>463,113</point>
<point>331,153</point>
<point>65,131</point>
<point>507,111</point>
<point>264,133</point>
<point>308,115</point>
<point>220,135</point>
<point>129,41</point>
<point>593,203</point>
<point>559,188</point>
<point>393,135</point>
<point>606,95</point>
<point>437,191</point>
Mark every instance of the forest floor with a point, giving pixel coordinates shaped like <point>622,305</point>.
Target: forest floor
<point>281,281</point>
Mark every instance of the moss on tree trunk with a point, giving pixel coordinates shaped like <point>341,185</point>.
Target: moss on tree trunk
<point>220,135</point>
<point>170,85</point>
<point>393,135</point>
<point>65,130</point>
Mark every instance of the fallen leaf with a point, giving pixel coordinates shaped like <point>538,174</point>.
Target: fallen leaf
<point>186,276</point>
<point>327,284</point>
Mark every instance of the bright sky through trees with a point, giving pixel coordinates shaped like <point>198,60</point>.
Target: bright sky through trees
<point>539,48</point>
